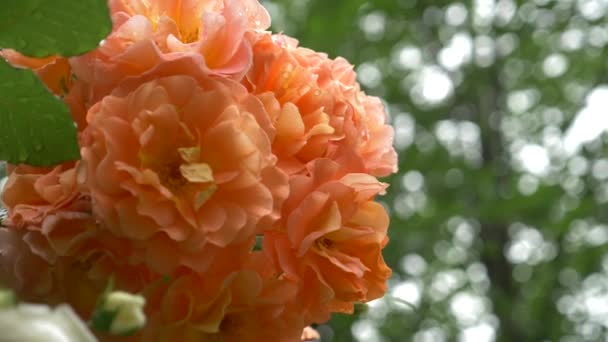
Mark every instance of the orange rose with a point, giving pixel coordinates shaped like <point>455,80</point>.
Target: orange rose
<point>214,28</point>
<point>217,33</point>
<point>48,203</point>
<point>330,239</point>
<point>32,194</point>
<point>243,306</point>
<point>31,267</point>
<point>322,111</point>
<point>181,165</point>
<point>200,133</point>
<point>373,143</point>
<point>53,239</point>
<point>20,269</point>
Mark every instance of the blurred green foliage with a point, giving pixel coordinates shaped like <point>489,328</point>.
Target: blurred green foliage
<point>499,211</point>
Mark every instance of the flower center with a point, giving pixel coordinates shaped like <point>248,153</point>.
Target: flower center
<point>234,326</point>
<point>181,168</point>
<point>189,35</point>
<point>170,175</point>
<point>324,243</point>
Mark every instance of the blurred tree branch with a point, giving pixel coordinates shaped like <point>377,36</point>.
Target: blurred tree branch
<point>494,235</point>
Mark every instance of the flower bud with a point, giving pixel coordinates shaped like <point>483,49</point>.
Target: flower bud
<point>120,313</point>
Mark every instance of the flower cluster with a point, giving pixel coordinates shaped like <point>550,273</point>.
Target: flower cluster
<point>227,174</point>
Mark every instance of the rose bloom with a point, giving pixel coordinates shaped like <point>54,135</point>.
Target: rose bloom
<point>181,165</point>
<point>215,29</point>
<point>54,215</point>
<point>53,251</point>
<point>322,113</point>
<point>50,212</point>
<point>22,270</point>
<point>330,240</point>
<point>244,306</point>
<point>38,272</point>
<point>33,194</point>
<point>217,33</point>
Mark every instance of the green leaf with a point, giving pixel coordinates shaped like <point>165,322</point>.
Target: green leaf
<point>35,126</point>
<point>41,28</point>
<point>102,320</point>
